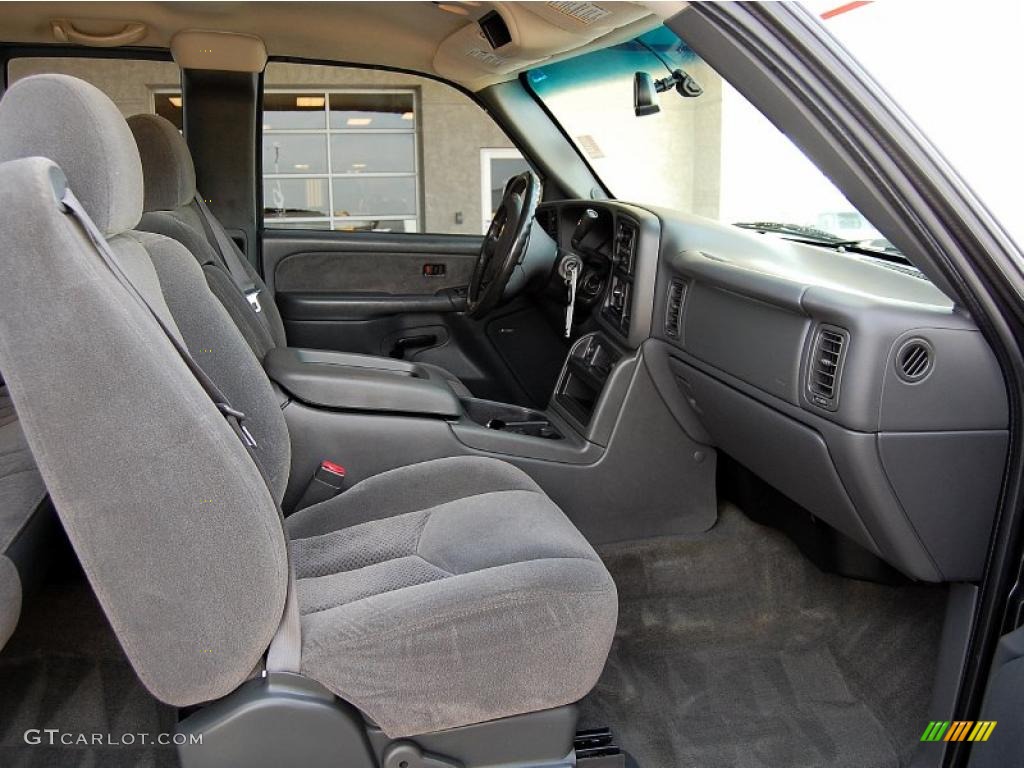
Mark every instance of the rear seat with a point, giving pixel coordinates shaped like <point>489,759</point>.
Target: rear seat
<point>25,522</point>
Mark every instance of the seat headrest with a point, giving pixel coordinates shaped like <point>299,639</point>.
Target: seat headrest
<point>170,176</point>
<point>78,127</point>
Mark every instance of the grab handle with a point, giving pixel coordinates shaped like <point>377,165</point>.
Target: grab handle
<point>65,31</point>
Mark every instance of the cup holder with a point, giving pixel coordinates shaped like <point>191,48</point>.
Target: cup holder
<point>503,417</point>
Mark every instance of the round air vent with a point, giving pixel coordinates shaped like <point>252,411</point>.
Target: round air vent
<point>914,360</point>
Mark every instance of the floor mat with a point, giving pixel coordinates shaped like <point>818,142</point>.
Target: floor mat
<point>734,650</point>
<point>64,669</point>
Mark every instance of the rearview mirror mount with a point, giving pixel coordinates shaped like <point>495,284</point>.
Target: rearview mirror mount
<point>645,95</point>
<point>646,90</point>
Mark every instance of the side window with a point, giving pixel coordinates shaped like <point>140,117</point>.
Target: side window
<point>134,85</point>
<point>364,150</point>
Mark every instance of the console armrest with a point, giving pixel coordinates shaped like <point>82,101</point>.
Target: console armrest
<point>340,380</point>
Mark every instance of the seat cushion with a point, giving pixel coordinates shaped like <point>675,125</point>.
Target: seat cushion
<point>21,486</point>
<point>448,593</point>
<point>21,493</point>
<point>6,407</point>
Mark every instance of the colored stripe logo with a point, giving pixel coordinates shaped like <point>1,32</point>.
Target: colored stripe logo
<point>958,730</point>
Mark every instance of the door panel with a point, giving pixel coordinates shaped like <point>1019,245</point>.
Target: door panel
<point>375,293</point>
<point>1002,743</point>
<point>368,262</point>
<point>370,293</point>
<point>390,272</point>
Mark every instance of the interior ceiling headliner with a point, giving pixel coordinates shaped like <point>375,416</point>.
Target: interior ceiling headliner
<point>417,36</point>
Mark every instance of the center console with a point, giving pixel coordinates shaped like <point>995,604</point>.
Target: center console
<point>586,371</point>
<point>512,419</point>
<point>343,381</point>
<point>606,448</point>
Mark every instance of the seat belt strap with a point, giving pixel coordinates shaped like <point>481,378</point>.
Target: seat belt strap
<point>285,652</point>
<point>229,256</point>
<point>232,415</point>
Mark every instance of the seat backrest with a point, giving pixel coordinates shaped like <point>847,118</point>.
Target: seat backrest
<point>170,518</point>
<point>170,209</point>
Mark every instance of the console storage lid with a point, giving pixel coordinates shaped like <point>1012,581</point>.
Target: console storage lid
<point>344,381</point>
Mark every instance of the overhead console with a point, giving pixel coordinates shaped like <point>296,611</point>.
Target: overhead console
<point>511,37</point>
<point>849,383</point>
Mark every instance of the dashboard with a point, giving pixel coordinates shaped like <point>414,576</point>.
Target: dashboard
<point>849,383</point>
<point>620,254</point>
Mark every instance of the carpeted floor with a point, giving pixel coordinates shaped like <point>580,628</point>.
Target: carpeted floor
<point>734,650</point>
<point>64,669</point>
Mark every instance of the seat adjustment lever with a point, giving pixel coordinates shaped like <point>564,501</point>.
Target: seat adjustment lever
<point>405,754</point>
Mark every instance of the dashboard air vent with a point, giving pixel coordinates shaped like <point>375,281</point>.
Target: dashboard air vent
<point>625,245</point>
<point>826,366</point>
<point>674,309</point>
<point>914,360</point>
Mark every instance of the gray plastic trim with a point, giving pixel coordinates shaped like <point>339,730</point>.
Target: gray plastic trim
<point>280,719</point>
<point>279,245</point>
<point>598,428</point>
<point>652,479</point>
<point>948,484</point>
<point>743,309</point>
<point>953,647</point>
<point>870,505</point>
<point>344,381</point>
<point>788,455</point>
<point>535,740</point>
<point>338,307</point>
<point>571,449</point>
<point>747,322</point>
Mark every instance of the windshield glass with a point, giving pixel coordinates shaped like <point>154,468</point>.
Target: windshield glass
<point>955,74</point>
<point>713,155</point>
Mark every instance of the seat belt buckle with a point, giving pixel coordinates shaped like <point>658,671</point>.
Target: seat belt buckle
<point>253,296</point>
<point>327,482</point>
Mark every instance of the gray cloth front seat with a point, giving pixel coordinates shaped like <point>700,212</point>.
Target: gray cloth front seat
<point>434,596</point>
<point>170,208</point>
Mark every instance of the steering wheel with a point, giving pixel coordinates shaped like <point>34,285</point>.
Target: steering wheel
<point>504,244</point>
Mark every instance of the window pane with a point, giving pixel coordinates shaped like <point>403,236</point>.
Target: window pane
<point>295,153</point>
<point>404,151</point>
<point>503,169</point>
<point>375,225</point>
<point>373,153</point>
<point>284,198</point>
<point>294,110</point>
<point>361,197</point>
<point>386,109</point>
<point>168,105</point>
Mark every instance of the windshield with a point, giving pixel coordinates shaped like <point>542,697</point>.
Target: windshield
<point>713,155</point>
